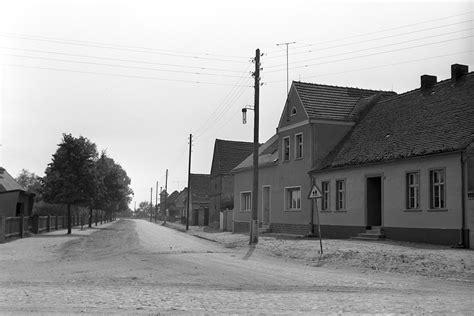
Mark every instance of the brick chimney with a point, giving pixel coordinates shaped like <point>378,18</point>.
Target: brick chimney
<point>428,81</point>
<point>458,71</point>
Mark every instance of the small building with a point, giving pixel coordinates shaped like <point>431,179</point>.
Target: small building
<point>199,210</point>
<point>14,199</point>
<point>227,155</point>
<point>406,168</point>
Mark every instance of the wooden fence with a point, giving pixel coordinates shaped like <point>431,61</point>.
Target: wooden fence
<point>25,226</point>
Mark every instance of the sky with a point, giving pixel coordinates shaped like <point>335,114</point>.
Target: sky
<point>138,77</point>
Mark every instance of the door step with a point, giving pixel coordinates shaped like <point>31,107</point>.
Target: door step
<point>371,234</point>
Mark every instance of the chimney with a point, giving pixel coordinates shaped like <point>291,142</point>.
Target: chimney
<point>427,81</point>
<point>458,71</point>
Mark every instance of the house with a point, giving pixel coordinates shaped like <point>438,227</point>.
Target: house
<point>406,169</point>
<point>199,206</point>
<point>14,199</point>
<point>180,204</point>
<point>227,155</point>
<point>314,119</point>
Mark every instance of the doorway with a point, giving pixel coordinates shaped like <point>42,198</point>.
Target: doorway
<point>374,201</point>
<point>266,205</point>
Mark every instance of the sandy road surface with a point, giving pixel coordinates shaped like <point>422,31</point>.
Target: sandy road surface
<point>133,266</point>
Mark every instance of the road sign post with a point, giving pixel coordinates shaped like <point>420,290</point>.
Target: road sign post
<point>315,194</point>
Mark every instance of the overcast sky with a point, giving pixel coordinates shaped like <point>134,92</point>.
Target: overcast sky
<point>137,77</point>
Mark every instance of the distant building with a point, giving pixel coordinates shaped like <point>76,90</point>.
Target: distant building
<point>14,199</point>
<point>199,210</point>
<point>227,155</point>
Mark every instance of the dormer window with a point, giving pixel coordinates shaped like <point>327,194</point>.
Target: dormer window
<point>293,111</point>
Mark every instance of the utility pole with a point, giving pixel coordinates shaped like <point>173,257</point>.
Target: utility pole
<point>287,77</point>
<point>189,182</point>
<point>254,221</point>
<point>166,194</point>
<point>151,204</point>
<point>156,201</point>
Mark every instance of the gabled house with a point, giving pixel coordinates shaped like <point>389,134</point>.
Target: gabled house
<point>199,205</point>
<point>314,119</point>
<point>14,199</point>
<point>406,169</point>
<point>227,155</point>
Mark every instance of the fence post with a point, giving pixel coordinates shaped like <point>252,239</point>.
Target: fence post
<point>56,222</point>
<point>2,229</point>
<point>96,219</point>
<point>36,224</point>
<point>22,226</point>
<point>82,222</point>
<point>48,224</point>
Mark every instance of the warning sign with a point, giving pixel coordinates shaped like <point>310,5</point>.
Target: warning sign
<point>315,192</point>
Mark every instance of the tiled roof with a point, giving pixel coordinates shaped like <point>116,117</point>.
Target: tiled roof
<point>8,183</point>
<point>416,123</point>
<point>172,197</point>
<point>267,155</point>
<point>332,102</point>
<point>228,154</point>
<point>199,184</point>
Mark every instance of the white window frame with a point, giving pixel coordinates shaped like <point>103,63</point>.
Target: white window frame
<point>243,202</point>
<point>438,189</point>
<point>298,145</point>
<point>412,190</point>
<point>326,196</point>
<point>340,195</point>
<point>284,149</point>
<point>289,206</point>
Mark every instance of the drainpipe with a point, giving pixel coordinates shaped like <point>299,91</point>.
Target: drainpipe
<point>463,200</point>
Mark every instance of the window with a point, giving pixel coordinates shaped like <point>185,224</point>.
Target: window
<point>340,194</point>
<point>413,190</point>
<point>299,146</point>
<point>437,190</point>
<point>246,201</point>
<point>286,148</point>
<point>293,199</point>
<point>325,197</point>
<point>293,111</point>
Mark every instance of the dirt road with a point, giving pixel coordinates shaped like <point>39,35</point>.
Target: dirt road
<point>133,266</point>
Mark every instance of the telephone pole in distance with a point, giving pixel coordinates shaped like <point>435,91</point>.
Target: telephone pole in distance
<point>188,204</point>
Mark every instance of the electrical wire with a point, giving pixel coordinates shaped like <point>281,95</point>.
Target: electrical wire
<point>120,75</point>
<point>125,49</point>
<point>118,59</point>
<point>373,54</point>
<point>120,66</point>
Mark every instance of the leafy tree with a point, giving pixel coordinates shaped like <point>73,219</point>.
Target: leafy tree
<point>30,181</point>
<point>143,209</point>
<point>70,177</point>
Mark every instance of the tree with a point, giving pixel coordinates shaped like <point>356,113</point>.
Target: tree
<point>70,177</point>
<point>30,181</point>
<point>143,209</point>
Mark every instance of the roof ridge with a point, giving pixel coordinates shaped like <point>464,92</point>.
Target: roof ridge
<point>340,87</point>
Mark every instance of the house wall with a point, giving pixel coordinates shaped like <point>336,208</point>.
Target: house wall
<point>398,222</point>
<point>8,202</point>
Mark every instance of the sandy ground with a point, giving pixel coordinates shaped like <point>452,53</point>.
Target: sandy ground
<point>365,256</point>
<point>133,266</point>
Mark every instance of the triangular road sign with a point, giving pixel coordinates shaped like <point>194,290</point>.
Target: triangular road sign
<point>315,192</point>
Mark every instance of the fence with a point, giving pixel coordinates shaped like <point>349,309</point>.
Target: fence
<point>24,226</point>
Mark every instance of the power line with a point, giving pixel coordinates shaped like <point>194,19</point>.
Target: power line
<point>373,39</point>
<point>373,54</point>
<point>123,76</point>
<point>122,48</point>
<point>381,31</point>
<point>379,66</point>
<point>120,66</point>
<point>119,59</point>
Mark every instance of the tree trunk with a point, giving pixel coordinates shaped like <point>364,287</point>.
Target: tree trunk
<point>69,223</point>
<point>90,217</point>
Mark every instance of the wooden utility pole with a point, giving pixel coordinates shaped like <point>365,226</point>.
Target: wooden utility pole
<point>254,221</point>
<point>156,201</point>
<point>189,182</point>
<point>151,204</point>
<point>166,194</point>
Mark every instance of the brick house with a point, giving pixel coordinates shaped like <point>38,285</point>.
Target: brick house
<point>406,169</point>
<point>314,119</point>
<point>14,199</point>
<point>227,155</point>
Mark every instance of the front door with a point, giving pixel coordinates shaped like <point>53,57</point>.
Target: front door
<point>374,201</point>
<point>266,205</point>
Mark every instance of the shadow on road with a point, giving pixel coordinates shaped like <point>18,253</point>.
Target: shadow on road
<point>249,253</point>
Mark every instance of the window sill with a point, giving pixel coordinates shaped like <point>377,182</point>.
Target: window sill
<point>299,158</point>
<point>413,210</point>
<point>437,210</point>
<point>246,211</point>
<point>294,210</point>
<point>286,160</point>
<point>340,211</point>
<point>325,211</point>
